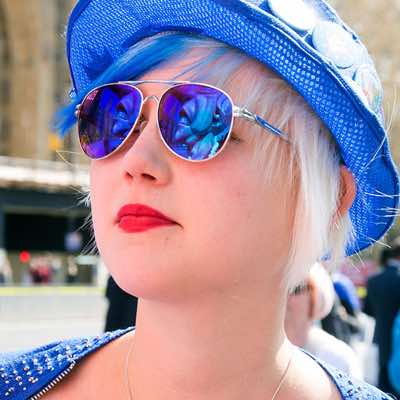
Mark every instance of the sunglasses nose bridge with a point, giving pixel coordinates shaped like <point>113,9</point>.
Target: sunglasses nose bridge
<point>151,97</point>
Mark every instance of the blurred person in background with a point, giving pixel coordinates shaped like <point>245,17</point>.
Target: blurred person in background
<point>383,303</point>
<point>342,320</point>
<point>5,268</point>
<point>122,307</point>
<point>307,305</point>
<point>72,272</point>
<point>347,293</point>
<point>40,270</point>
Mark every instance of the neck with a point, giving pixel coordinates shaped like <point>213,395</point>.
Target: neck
<point>231,347</point>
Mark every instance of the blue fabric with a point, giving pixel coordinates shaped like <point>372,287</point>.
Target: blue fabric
<point>100,31</point>
<point>25,374</point>
<point>394,361</point>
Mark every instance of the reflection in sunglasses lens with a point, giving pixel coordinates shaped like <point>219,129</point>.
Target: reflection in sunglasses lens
<point>195,120</point>
<point>106,117</point>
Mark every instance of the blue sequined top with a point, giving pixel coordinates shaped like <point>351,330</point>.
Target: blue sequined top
<point>31,374</point>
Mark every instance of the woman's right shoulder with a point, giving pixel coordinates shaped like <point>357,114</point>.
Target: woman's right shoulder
<point>31,373</point>
<point>24,372</point>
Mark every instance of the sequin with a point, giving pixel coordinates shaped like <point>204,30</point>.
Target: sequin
<point>296,13</point>
<point>72,94</point>
<point>367,78</point>
<point>335,43</point>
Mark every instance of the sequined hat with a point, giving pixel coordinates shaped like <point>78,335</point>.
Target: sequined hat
<point>303,41</point>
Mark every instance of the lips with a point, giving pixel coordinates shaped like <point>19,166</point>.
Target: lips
<point>139,218</point>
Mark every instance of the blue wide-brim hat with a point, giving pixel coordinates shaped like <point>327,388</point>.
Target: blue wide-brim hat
<point>303,41</point>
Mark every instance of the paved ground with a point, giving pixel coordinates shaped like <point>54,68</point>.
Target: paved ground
<point>31,317</point>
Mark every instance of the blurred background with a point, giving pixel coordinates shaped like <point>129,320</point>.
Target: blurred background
<point>51,284</point>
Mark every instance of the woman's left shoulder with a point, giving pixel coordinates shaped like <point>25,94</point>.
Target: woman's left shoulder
<point>349,387</point>
<point>352,388</point>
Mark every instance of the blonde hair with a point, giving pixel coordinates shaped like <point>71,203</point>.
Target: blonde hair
<point>312,160</point>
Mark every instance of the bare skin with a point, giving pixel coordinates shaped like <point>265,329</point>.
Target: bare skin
<point>91,378</point>
<point>210,321</point>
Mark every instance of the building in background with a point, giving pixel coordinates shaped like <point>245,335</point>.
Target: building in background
<point>376,22</point>
<point>39,189</point>
<point>41,176</point>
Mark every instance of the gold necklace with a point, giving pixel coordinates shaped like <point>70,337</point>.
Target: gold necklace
<point>129,385</point>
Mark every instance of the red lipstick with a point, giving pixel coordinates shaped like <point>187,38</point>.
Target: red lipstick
<point>139,218</point>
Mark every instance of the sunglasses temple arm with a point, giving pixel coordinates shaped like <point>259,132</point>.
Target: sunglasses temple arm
<point>244,113</point>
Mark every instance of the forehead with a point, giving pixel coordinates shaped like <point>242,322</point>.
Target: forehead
<point>230,71</point>
<point>175,67</point>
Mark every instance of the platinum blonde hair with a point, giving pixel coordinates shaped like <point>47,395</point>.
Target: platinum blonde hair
<point>312,162</point>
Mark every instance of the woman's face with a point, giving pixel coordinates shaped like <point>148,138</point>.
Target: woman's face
<point>233,230</point>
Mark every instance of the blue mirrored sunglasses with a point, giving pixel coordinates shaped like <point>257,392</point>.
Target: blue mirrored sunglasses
<point>194,119</point>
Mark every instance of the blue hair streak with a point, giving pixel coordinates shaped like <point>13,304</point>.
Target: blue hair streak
<point>136,61</point>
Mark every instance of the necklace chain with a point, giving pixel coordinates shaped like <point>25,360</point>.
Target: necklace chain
<point>126,368</point>
<point>129,385</point>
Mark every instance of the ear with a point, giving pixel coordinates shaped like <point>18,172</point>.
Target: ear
<point>348,190</point>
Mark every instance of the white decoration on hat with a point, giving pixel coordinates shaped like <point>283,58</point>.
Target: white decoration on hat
<point>363,97</point>
<point>371,86</point>
<point>296,13</point>
<point>359,92</point>
<point>335,43</point>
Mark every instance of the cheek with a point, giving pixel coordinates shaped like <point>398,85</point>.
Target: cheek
<point>238,224</point>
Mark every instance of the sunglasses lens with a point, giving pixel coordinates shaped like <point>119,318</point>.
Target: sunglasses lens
<point>106,117</point>
<point>195,120</point>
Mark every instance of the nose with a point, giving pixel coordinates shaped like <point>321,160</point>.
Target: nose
<point>146,158</point>
<point>151,97</point>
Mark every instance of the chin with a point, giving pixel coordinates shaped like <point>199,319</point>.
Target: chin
<point>146,280</point>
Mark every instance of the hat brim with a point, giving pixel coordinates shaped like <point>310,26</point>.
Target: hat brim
<point>99,32</point>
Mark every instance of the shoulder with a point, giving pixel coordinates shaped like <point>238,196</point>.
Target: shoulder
<point>25,373</point>
<point>350,387</point>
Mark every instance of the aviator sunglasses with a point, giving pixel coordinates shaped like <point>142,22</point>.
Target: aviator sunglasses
<point>194,119</point>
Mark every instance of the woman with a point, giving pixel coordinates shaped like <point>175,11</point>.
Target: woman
<point>207,192</point>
